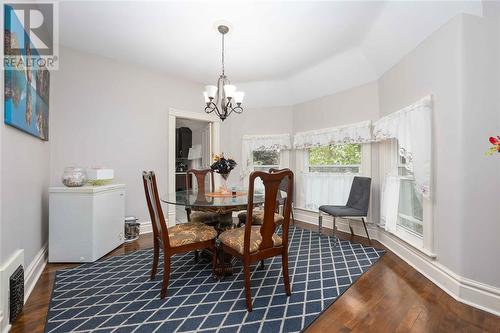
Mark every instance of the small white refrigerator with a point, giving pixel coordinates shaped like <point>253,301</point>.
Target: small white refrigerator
<point>85,223</point>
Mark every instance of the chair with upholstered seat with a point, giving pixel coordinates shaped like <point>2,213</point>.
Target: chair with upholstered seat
<point>181,238</point>
<point>258,212</point>
<point>357,205</point>
<point>258,217</point>
<point>210,218</point>
<point>257,242</point>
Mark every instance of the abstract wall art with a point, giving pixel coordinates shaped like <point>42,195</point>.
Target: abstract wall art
<point>26,85</point>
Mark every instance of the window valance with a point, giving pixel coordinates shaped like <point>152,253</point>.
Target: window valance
<point>267,142</point>
<point>251,143</point>
<point>411,126</point>
<point>353,133</point>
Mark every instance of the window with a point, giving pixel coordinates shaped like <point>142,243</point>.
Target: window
<point>263,160</point>
<point>325,173</point>
<point>342,158</point>
<point>410,208</point>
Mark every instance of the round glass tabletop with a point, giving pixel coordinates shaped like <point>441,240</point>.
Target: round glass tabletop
<point>191,198</point>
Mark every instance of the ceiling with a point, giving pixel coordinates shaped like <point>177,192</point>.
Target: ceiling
<point>283,45</point>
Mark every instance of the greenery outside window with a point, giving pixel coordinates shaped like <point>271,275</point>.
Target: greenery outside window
<point>263,160</point>
<point>341,158</point>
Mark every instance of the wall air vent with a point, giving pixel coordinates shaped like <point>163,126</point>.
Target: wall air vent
<point>16,293</point>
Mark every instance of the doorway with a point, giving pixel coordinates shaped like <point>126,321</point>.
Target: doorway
<point>193,139</point>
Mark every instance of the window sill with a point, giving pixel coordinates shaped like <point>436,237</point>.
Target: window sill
<point>409,239</point>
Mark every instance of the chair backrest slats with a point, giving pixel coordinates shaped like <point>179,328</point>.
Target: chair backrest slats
<point>160,231</point>
<point>272,182</point>
<point>359,196</point>
<point>200,175</point>
<point>283,186</point>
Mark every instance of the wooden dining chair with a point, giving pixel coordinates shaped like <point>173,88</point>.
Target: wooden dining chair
<point>200,175</point>
<point>257,242</point>
<point>259,212</point>
<point>181,238</point>
<point>281,200</point>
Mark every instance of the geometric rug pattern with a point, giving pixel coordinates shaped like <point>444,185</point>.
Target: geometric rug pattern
<point>116,294</point>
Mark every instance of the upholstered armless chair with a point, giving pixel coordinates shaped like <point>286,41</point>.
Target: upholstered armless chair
<point>257,242</point>
<point>356,206</point>
<point>181,238</point>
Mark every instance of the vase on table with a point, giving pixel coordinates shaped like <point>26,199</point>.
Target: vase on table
<point>223,187</point>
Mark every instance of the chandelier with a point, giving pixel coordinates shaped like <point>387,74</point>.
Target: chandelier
<point>223,99</point>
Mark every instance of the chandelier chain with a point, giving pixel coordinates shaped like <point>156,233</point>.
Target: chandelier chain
<point>222,54</point>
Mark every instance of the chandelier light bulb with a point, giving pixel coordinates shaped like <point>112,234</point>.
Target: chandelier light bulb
<point>211,91</point>
<point>229,89</point>
<point>205,95</point>
<point>238,97</point>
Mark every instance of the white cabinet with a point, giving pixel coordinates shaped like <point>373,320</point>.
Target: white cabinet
<point>86,222</point>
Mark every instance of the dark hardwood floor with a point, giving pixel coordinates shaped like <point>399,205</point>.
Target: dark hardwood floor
<point>391,297</point>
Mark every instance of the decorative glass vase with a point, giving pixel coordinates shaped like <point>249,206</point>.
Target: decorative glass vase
<point>223,187</point>
<point>74,177</point>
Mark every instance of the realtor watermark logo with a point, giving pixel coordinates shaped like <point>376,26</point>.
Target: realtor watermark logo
<point>31,35</point>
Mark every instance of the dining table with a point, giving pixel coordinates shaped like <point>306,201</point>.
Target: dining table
<point>221,203</point>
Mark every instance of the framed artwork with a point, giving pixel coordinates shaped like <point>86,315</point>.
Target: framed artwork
<point>26,86</point>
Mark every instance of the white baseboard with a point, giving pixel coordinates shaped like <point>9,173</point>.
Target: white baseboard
<point>464,290</point>
<point>146,227</point>
<point>35,270</point>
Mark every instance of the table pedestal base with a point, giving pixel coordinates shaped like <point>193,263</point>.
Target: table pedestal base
<point>224,267</point>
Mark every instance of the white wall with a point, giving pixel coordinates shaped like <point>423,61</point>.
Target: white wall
<point>111,114</point>
<point>434,67</point>
<point>481,178</point>
<point>346,107</point>
<point>459,66</point>
<point>25,178</point>
<point>24,172</point>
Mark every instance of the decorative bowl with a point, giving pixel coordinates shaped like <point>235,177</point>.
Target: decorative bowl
<point>74,177</point>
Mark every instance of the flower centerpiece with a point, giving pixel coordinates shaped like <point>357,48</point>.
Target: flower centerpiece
<point>223,166</point>
<point>496,145</point>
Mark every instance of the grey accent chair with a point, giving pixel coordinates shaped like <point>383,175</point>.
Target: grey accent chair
<point>357,205</point>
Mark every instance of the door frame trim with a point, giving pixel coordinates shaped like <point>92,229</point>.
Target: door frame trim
<point>173,114</point>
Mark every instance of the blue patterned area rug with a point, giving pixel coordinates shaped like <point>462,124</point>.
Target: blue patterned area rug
<point>116,295</point>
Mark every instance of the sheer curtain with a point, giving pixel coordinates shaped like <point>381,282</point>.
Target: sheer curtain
<point>405,133</point>
<point>323,189</point>
<point>411,127</point>
<point>390,203</point>
<point>389,190</point>
<point>316,188</point>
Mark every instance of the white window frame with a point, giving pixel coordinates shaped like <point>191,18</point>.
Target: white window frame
<point>284,162</point>
<point>301,166</point>
<point>267,166</point>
